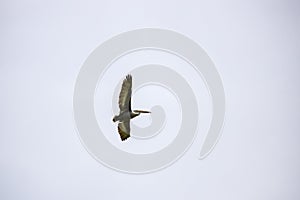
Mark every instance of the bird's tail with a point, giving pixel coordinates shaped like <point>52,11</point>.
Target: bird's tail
<point>115,118</point>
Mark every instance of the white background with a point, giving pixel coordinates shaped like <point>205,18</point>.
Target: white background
<point>255,46</point>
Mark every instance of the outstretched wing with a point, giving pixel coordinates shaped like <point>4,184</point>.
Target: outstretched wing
<point>125,94</point>
<point>124,130</point>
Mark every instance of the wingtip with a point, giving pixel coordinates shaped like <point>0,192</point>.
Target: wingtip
<point>125,138</point>
<point>123,134</point>
<point>128,76</point>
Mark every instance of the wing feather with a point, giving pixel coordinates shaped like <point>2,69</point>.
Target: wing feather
<point>124,130</point>
<point>125,94</point>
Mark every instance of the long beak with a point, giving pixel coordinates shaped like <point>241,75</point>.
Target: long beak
<point>141,111</point>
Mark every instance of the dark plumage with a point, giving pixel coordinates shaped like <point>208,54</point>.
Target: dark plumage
<point>126,114</point>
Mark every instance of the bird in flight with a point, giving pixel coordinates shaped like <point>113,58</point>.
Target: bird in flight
<point>126,114</point>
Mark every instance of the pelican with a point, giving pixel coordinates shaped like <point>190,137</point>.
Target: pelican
<point>126,114</point>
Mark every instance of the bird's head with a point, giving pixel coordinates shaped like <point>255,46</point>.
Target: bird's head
<point>140,111</point>
<point>137,113</point>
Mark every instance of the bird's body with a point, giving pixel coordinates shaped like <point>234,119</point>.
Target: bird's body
<point>126,114</point>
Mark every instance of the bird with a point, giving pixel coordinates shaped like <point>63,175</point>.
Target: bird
<point>126,114</point>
